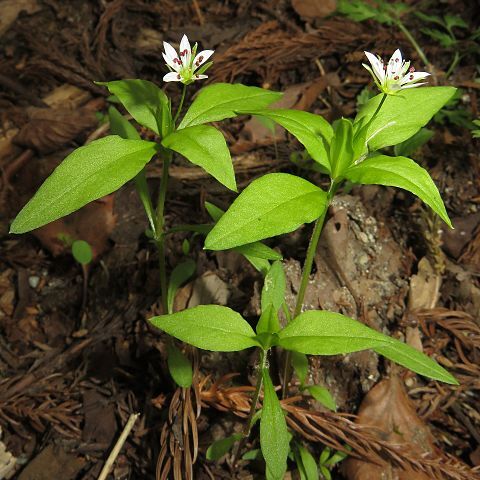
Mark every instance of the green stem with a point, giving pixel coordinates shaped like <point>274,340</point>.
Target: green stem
<point>454,64</point>
<point>307,270</point>
<point>410,38</point>
<point>160,230</point>
<point>253,407</point>
<point>180,106</point>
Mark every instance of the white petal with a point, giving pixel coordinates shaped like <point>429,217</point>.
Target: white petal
<point>172,63</point>
<point>413,85</point>
<point>202,57</point>
<point>395,63</point>
<point>172,77</point>
<point>170,52</point>
<point>414,77</point>
<point>185,46</point>
<point>200,77</point>
<point>377,65</point>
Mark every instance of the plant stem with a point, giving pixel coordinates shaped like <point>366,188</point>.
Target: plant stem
<point>180,106</point>
<point>307,270</point>
<point>454,64</point>
<point>410,38</point>
<point>160,230</point>
<point>253,406</point>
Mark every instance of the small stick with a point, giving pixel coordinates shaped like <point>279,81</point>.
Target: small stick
<point>201,20</point>
<point>118,446</point>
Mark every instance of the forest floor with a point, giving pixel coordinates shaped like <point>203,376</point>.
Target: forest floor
<point>76,362</point>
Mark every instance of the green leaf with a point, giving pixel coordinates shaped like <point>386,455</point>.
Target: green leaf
<point>273,291</point>
<point>180,274</point>
<point>268,321</point>
<point>144,101</point>
<point>120,126</point>
<point>252,454</point>
<point>403,173</point>
<point>88,173</point>
<point>323,396</point>
<point>82,252</point>
<point>300,366</point>
<point>318,332</point>
<point>271,205</point>
<point>341,147</point>
<point>309,464</point>
<point>312,131</point>
<point>274,437</point>
<point>215,212</point>
<point>411,145</point>
<point>416,361</point>
<point>221,100</point>
<point>402,115</point>
<point>258,250</point>
<point>221,447</point>
<point>210,327</point>
<point>206,147</point>
<point>179,366</point>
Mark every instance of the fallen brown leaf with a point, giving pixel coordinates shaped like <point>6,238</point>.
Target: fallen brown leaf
<point>312,9</point>
<point>388,408</point>
<point>93,223</point>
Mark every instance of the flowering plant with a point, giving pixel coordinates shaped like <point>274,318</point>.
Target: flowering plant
<point>275,204</point>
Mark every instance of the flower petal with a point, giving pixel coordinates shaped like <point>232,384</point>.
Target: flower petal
<point>413,85</point>
<point>202,57</point>
<point>170,52</point>
<point>395,63</point>
<point>377,66</point>
<point>200,77</point>
<point>185,50</point>
<point>414,77</point>
<point>172,77</point>
<point>174,64</point>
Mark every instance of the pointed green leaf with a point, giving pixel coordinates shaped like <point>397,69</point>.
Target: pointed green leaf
<point>258,250</point>
<point>274,437</point>
<point>274,204</point>
<point>323,396</point>
<point>300,366</point>
<point>120,126</point>
<point>273,291</point>
<point>408,357</point>
<point>206,147</point>
<point>268,321</point>
<point>179,366</point>
<point>222,100</point>
<point>309,464</point>
<point>210,327</point>
<point>144,101</point>
<point>180,274</point>
<point>402,115</point>
<point>88,173</point>
<point>312,131</point>
<point>341,147</point>
<point>318,332</point>
<point>221,447</point>
<point>403,173</point>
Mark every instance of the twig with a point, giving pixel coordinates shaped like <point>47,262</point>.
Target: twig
<point>118,446</point>
<point>201,20</point>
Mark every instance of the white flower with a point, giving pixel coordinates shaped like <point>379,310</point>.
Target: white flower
<point>394,76</point>
<point>184,67</point>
